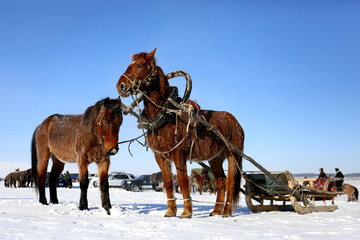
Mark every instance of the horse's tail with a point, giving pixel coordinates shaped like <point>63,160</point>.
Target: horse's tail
<point>34,159</point>
<point>236,195</point>
<point>356,193</point>
<point>5,182</point>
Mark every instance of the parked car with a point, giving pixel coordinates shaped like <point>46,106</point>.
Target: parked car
<point>115,179</point>
<point>61,182</point>
<point>92,178</point>
<point>140,183</point>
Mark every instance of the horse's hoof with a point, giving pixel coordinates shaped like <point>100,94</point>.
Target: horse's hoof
<point>43,202</point>
<point>215,213</point>
<point>170,214</point>
<point>84,208</point>
<point>107,211</point>
<point>186,215</point>
<point>224,215</point>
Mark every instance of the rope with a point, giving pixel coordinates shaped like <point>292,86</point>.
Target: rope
<point>198,201</point>
<point>132,140</point>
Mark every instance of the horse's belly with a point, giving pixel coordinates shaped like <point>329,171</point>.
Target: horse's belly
<point>64,155</point>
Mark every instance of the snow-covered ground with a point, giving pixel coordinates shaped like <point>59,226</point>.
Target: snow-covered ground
<point>140,216</point>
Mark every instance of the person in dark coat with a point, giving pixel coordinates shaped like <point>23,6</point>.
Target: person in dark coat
<point>68,179</point>
<point>339,183</point>
<point>322,173</point>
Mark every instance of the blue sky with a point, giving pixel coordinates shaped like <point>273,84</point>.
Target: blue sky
<point>289,71</point>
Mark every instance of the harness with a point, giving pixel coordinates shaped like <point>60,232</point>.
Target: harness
<point>103,135</point>
<point>165,114</point>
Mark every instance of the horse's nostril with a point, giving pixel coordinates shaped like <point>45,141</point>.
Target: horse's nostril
<point>122,86</point>
<point>112,151</point>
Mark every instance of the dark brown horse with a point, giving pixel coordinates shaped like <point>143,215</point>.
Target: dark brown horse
<point>351,191</point>
<point>9,180</point>
<point>207,185</point>
<point>82,139</point>
<point>179,139</point>
<point>17,178</point>
<point>212,186</point>
<point>199,180</point>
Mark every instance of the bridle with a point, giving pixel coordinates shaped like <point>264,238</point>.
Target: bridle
<point>136,83</point>
<point>103,135</point>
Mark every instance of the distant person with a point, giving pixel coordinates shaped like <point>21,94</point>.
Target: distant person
<point>68,179</point>
<point>322,173</point>
<point>339,183</point>
<point>320,182</point>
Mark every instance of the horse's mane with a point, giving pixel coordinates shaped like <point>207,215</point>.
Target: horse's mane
<point>91,112</point>
<point>139,56</point>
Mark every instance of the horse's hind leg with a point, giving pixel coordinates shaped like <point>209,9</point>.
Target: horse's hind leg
<point>103,168</point>
<point>56,170</point>
<point>230,185</point>
<point>43,160</point>
<point>220,179</point>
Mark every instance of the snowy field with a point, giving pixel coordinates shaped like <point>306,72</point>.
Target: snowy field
<point>140,216</point>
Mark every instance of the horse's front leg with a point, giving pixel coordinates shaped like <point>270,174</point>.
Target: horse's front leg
<point>84,184</point>
<point>183,181</point>
<point>165,168</point>
<point>103,168</point>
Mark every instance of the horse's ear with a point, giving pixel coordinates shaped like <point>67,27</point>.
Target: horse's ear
<point>150,56</point>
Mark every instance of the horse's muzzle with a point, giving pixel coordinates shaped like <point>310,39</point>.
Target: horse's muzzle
<point>112,151</point>
<point>123,90</point>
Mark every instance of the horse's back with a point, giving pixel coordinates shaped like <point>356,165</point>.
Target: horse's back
<point>8,177</point>
<point>57,134</point>
<point>227,125</point>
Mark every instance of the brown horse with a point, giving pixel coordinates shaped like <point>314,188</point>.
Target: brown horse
<point>9,180</point>
<point>199,180</point>
<point>351,191</point>
<point>179,139</point>
<point>208,185</point>
<point>212,186</point>
<point>17,178</point>
<point>82,139</point>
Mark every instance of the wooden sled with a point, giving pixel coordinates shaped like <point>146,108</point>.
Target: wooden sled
<point>262,189</point>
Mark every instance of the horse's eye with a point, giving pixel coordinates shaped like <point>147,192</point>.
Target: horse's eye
<point>139,66</point>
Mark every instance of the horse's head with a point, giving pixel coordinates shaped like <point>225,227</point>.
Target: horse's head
<point>138,75</point>
<point>108,123</point>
